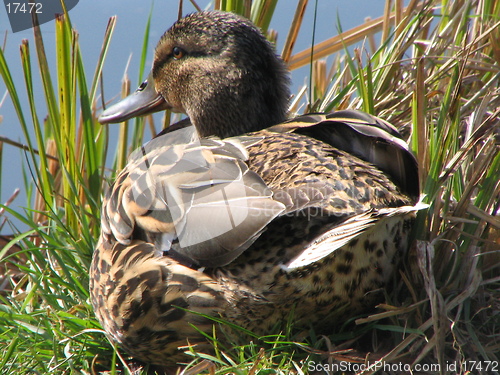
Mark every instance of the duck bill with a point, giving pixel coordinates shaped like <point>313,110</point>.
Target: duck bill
<point>143,101</point>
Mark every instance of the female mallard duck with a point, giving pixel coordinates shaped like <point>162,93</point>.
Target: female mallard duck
<point>237,218</point>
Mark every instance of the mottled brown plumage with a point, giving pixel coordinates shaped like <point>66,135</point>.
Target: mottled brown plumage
<point>235,218</point>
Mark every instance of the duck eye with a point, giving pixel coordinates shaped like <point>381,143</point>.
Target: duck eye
<point>177,53</point>
<point>142,85</point>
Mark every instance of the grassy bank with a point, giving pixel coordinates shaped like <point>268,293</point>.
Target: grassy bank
<point>432,69</point>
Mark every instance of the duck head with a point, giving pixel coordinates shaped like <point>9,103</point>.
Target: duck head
<point>217,68</point>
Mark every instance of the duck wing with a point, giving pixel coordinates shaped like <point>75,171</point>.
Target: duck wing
<point>365,136</point>
<point>345,232</point>
<point>195,198</point>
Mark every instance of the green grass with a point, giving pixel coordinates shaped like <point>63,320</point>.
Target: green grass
<point>435,76</point>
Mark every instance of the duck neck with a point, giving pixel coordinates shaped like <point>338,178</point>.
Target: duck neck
<point>239,101</point>
<point>235,118</point>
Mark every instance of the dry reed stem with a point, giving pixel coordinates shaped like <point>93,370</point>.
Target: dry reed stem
<point>294,30</point>
<point>339,42</point>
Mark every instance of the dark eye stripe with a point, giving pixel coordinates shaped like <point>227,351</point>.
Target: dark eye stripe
<point>166,57</point>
